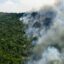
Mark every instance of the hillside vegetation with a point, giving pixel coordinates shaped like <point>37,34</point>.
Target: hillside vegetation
<point>14,45</point>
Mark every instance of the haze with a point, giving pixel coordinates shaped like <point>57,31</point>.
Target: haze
<point>23,5</point>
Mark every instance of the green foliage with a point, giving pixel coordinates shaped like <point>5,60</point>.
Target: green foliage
<point>14,45</point>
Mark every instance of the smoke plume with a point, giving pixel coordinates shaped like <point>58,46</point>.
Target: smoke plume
<point>46,27</point>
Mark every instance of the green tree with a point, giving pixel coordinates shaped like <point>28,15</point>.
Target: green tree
<point>14,45</point>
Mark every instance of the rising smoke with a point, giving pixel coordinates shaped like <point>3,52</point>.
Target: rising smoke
<point>46,27</point>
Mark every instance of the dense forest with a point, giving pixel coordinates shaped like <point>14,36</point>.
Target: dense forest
<point>15,47</point>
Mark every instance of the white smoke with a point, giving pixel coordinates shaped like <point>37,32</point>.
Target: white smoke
<point>49,48</point>
<point>50,56</point>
